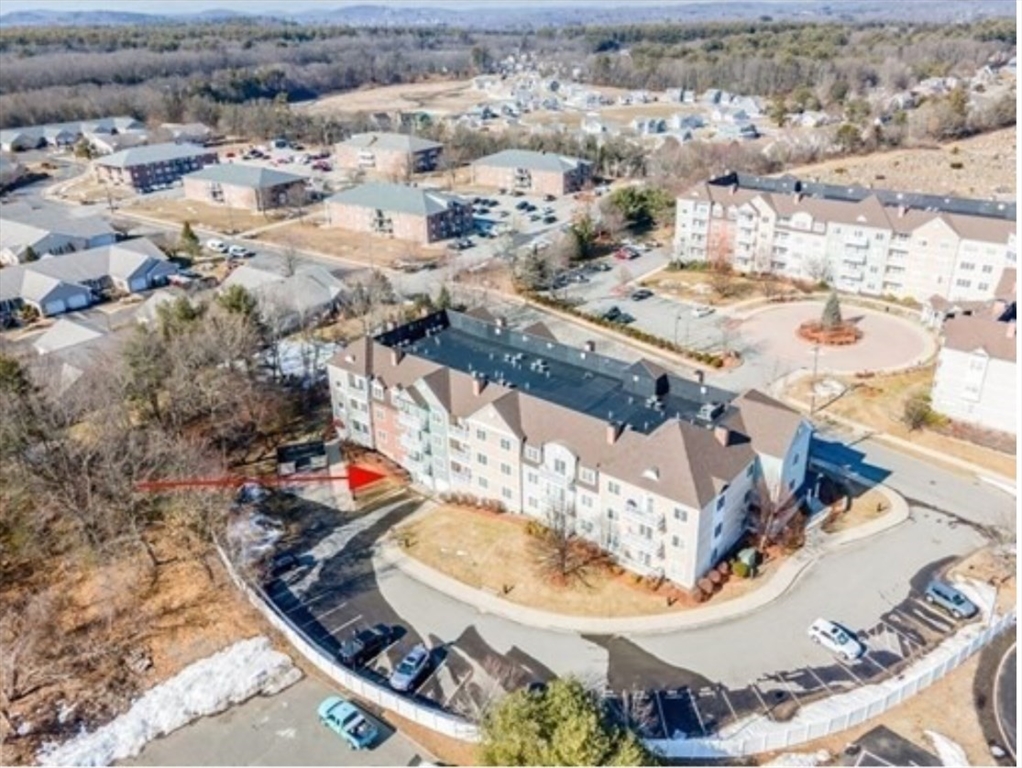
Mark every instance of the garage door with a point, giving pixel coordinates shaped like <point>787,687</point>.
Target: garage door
<point>78,301</point>
<point>54,308</point>
<point>138,284</point>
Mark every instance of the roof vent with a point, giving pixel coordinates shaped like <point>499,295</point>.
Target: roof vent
<point>710,411</point>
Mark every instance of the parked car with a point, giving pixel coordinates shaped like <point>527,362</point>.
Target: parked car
<point>348,721</point>
<point>521,205</point>
<point>409,672</point>
<point>624,319</point>
<point>217,246</point>
<point>836,639</point>
<point>702,310</point>
<point>625,254</point>
<point>642,293</point>
<point>365,645</point>
<point>282,564</point>
<point>601,266</point>
<point>240,251</point>
<point>950,599</point>
<point>322,165</point>
<point>612,314</point>
<point>551,219</point>
<point>549,198</point>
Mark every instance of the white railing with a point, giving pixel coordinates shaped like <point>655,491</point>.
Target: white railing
<point>435,720</point>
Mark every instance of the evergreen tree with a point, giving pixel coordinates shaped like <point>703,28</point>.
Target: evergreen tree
<point>30,255</point>
<point>831,317</point>
<point>188,242</point>
<point>443,299</point>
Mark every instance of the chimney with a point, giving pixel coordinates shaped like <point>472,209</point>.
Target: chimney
<point>501,322</point>
<point>589,346</point>
<point>700,376</point>
<point>1010,330</point>
<point>797,197</point>
<point>478,385</point>
<point>613,431</point>
<point>396,355</point>
<point>902,210</point>
<point>723,434</point>
<point>734,188</point>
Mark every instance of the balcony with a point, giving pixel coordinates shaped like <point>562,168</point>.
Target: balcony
<point>460,450</point>
<point>460,474</point>
<point>633,513</point>
<point>457,431</point>
<point>413,420</point>
<point>855,256</point>
<point>413,441</point>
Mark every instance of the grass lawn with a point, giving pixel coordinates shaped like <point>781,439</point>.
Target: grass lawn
<point>865,507</point>
<point>878,403</point>
<point>216,217</point>
<point>493,553</point>
<point>697,285</point>
<point>351,246</point>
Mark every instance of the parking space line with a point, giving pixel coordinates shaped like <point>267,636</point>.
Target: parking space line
<point>936,615</point>
<point>923,618</point>
<point>755,690</point>
<point>428,677</point>
<point>911,640</point>
<point>845,667</point>
<point>447,700</point>
<point>819,679</point>
<point>660,711</point>
<point>877,664</point>
<point>727,700</point>
<point>332,610</point>
<point>695,708</point>
<point>320,596</point>
<point>345,624</point>
<point>791,690</point>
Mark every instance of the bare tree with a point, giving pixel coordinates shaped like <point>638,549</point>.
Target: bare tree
<point>560,553</point>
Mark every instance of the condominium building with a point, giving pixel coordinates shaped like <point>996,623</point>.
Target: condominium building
<point>395,210</point>
<point>154,166</point>
<point>392,154</point>
<point>545,173</point>
<point>660,471</point>
<point>860,240</point>
<point>252,187</point>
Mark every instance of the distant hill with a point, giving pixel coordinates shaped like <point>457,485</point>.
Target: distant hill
<point>497,16</point>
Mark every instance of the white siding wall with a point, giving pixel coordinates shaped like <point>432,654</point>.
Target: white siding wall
<point>975,388</point>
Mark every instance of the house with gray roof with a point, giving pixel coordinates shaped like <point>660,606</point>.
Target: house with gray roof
<point>152,167</point>
<point>418,214</point>
<point>289,302</point>
<point>545,173</point>
<point>10,172</point>
<point>68,133</point>
<point>250,187</point>
<point>48,229</point>
<point>69,350</point>
<point>394,155</point>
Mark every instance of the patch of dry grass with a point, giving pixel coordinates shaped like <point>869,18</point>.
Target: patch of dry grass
<point>363,248</point>
<point>216,217</point>
<point>864,508</point>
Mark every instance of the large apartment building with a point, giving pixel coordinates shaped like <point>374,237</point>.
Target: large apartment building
<point>660,471</point>
<point>544,173</point>
<point>861,240</point>
<point>394,210</point>
<point>392,154</point>
<point>154,166</point>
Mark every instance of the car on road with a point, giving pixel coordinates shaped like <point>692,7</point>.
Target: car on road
<point>836,639</point>
<point>409,672</point>
<point>642,293</point>
<point>240,251</point>
<point>601,266</point>
<point>364,645</point>
<point>549,198</point>
<point>948,598</point>
<point>702,310</point>
<point>550,219</point>
<point>626,254</point>
<point>322,165</point>
<point>217,246</point>
<point>347,721</point>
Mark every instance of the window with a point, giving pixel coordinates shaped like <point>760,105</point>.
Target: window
<point>614,488</point>
<point>587,475</point>
<point>532,501</point>
<point>795,458</point>
<point>481,458</point>
<point>680,515</point>
<point>987,269</point>
<point>506,493</point>
<point>532,477</point>
<point>720,502</point>
<point>560,467</point>
<point>610,514</point>
<point>749,472</point>
<point>481,435</point>
<point>505,468</point>
<point>505,444</point>
<point>748,496</point>
<point>983,286</point>
<point>483,482</point>
<point>532,453</point>
<point>587,501</point>
<point>377,391</point>
<point>381,436</point>
<point>676,542</point>
<point>965,266</point>
<point>961,283</point>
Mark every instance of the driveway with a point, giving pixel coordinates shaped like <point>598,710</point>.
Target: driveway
<point>276,730</point>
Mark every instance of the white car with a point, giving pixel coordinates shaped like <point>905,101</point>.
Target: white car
<point>239,251</point>
<point>217,246</point>
<point>702,310</point>
<point>836,639</point>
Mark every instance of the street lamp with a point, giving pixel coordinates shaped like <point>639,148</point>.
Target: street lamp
<point>677,319</point>
<point>812,381</point>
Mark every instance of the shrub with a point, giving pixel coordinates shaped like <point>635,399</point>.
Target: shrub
<point>535,529</point>
<point>917,412</point>
<point>957,166</point>
<point>740,569</point>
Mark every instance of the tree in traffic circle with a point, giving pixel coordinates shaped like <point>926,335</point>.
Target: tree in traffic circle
<point>831,317</point>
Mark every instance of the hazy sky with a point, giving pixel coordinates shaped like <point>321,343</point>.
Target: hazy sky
<point>263,6</point>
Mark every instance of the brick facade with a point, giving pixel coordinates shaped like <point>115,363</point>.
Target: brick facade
<point>249,198</point>
<point>148,175</point>
<point>538,182</point>
<point>403,226</point>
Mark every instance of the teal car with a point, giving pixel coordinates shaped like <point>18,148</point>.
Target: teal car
<point>348,722</point>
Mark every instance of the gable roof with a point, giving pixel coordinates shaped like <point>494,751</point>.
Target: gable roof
<point>127,260</point>
<point>310,289</point>
<point>154,153</point>
<point>398,198</point>
<point>23,282</point>
<point>393,142</point>
<point>242,175</point>
<point>536,161</point>
<point>63,334</point>
<point>968,333</point>
<point>539,328</point>
<point>769,423</point>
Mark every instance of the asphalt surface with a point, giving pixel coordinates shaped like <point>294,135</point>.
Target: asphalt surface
<point>278,730</point>
<point>1006,695</point>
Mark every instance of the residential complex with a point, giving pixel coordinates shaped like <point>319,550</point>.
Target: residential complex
<point>154,166</point>
<point>976,377</point>
<point>862,240</point>
<point>661,471</point>
<point>544,173</point>
<point>251,187</point>
<point>397,155</point>
<point>287,302</point>
<point>36,230</point>
<point>395,210</point>
<point>67,134</point>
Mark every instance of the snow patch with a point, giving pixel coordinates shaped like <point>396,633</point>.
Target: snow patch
<point>949,752</point>
<point>801,758</point>
<point>287,733</point>
<point>206,687</point>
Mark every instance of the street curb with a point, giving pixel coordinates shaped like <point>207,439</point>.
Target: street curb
<point>388,554</point>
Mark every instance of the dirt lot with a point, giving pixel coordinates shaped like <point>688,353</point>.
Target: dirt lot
<point>97,617</point>
<point>85,189</point>
<point>696,285</point>
<point>216,217</point>
<point>350,246</point>
<point>442,97</point>
<point>465,544</point>
<point>988,168</point>
<point>878,403</point>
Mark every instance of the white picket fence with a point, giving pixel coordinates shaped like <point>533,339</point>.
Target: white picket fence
<point>441,722</point>
<point>839,712</point>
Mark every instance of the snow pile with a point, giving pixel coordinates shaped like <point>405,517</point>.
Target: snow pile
<point>206,687</point>
<point>252,535</point>
<point>949,752</point>
<point>801,758</point>
<point>300,358</point>
<point>982,595</point>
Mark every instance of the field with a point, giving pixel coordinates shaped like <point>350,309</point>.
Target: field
<point>987,168</point>
<point>203,215</point>
<point>441,97</point>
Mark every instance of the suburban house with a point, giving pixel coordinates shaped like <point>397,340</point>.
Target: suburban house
<point>157,165</point>
<point>46,229</point>
<point>394,210</point>
<point>190,133</point>
<point>251,187</point>
<point>661,471</point>
<point>10,172</point>
<point>544,173</point>
<point>58,284</point>
<point>392,154</point>
<point>869,241</point>
<point>108,143</point>
<point>66,134</point>
<point>289,302</point>
<point>70,349</point>
<point>976,380</point>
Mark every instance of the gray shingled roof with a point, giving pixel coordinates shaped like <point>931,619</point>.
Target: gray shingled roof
<point>397,142</point>
<point>535,161</point>
<point>22,225</point>
<point>241,175</point>
<point>397,198</point>
<point>154,153</point>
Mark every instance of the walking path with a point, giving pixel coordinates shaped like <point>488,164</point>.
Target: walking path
<point>818,545</point>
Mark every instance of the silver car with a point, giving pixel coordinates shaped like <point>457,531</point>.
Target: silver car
<point>409,672</point>
<point>950,599</point>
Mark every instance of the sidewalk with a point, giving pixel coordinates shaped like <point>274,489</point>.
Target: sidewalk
<point>387,554</point>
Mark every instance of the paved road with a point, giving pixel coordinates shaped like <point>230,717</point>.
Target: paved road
<point>279,730</point>
<point>1007,700</point>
